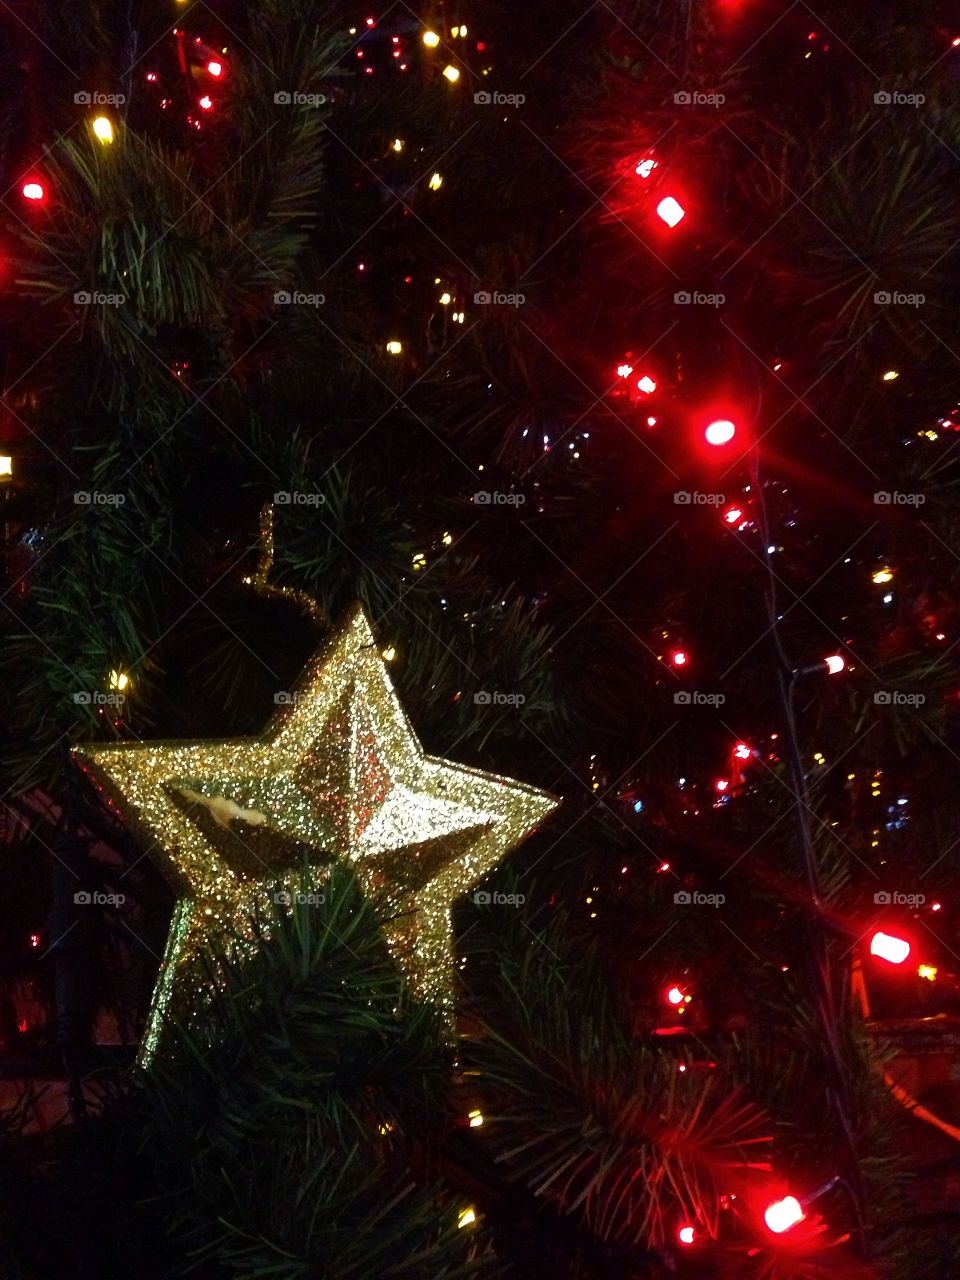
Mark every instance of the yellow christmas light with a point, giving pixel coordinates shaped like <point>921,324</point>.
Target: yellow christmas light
<point>928,971</point>
<point>445,299</point>
<point>431,39</point>
<point>891,375</point>
<point>436,182</point>
<point>397,144</point>
<point>119,680</point>
<point>452,73</point>
<point>389,654</point>
<point>6,465</point>
<point>447,539</point>
<point>475,1118</point>
<point>103,130</point>
<point>467,1217</point>
<point>883,575</point>
<point>394,347</point>
<point>419,561</point>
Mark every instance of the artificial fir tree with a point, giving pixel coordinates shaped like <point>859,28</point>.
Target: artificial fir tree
<point>604,353</point>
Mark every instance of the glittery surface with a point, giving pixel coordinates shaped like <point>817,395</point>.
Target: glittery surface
<point>338,774</point>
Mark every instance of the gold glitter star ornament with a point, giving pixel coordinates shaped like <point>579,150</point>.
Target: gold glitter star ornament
<point>337,776</point>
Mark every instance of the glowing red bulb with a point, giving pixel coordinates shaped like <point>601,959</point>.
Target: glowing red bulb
<point>34,939</point>
<point>647,385</point>
<point>887,947</point>
<point>835,664</point>
<point>686,1235</point>
<point>733,515</point>
<point>651,422</point>
<point>675,996</point>
<point>722,784</point>
<point>215,68</point>
<point>671,211</point>
<point>207,103</point>
<point>646,167</point>
<point>783,1214</point>
<point>33,190</point>
<point>720,432</point>
<point>742,751</point>
<point>678,658</point>
<point>152,76</point>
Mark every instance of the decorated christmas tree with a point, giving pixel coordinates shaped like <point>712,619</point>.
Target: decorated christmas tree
<point>479,634</point>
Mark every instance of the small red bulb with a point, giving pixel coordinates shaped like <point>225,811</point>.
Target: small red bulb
<point>783,1214</point>
<point>733,515</point>
<point>720,432</point>
<point>887,947</point>
<point>33,190</point>
<point>742,751</point>
<point>678,658</point>
<point>215,68</point>
<point>686,1235</point>
<point>647,385</point>
<point>671,211</point>
<point>722,784</point>
<point>675,996</point>
<point>207,103</point>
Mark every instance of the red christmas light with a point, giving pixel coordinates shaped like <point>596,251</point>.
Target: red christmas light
<point>720,432</point>
<point>215,68</point>
<point>646,384</point>
<point>646,166</point>
<point>783,1214</point>
<point>686,1235</point>
<point>33,190</point>
<point>742,751</point>
<point>733,515</point>
<point>679,658</point>
<point>671,211</point>
<point>206,103</point>
<point>34,939</point>
<point>835,664</point>
<point>674,996</point>
<point>722,784</point>
<point>887,947</point>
